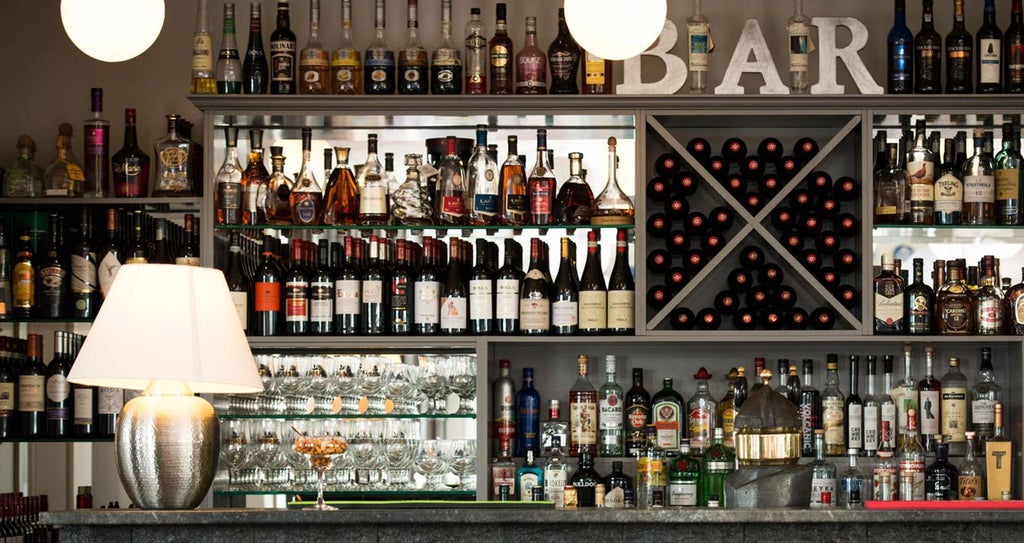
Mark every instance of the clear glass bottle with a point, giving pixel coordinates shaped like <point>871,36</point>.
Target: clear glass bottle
<point>306,196</point>
<point>446,61</point>
<point>229,64</point>
<point>346,60</point>
<point>582,412</point>
<point>174,175</point>
<point>612,206</point>
<point>314,61</point>
<point>484,184</point>
<point>411,201</point>
<point>651,477</point>
<point>823,475</point>
<point>531,63</point>
<point>702,410</point>
<point>798,26</point>
<point>449,203</point>
<point>833,405</point>
<point>906,397</point>
<point>476,62</point>
<point>610,433</point>
<point>379,65</point>
<point>228,196</point>
<point>872,408</point>
<point>719,461</point>
<point>890,190</point>
<point>341,196</point>
<point>853,489</point>
<point>854,411</point>
<point>372,186</point>
<point>203,81</point>
<point>884,474</point>
<point>25,178</point>
<point>64,176</point>
<point>503,474</point>
<point>556,474</point>
<point>276,191</point>
<point>979,184</point>
<point>954,407</point>
<point>413,72</point>
<point>554,428</point>
<point>699,30</point>
<point>1008,179</point>
<point>96,160</point>
<point>575,201</point>
<point>970,483</point>
<point>984,397</point>
<point>887,405</point>
<point>911,463</point>
<point>929,394</point>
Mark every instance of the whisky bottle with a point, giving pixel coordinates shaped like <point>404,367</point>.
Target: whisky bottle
<point>484,185</point>
<point>531,63</point>
<point>920,170</point>
<point>949,189</point>
<point>979,185</point>
<point>379,65</point>
<point>341,196</point>
<point>984,397</point>
<point>274,189</point>
<point>541,184</point>
<point>501,60</point>
<point>446,61</point>
<point>64,176</point>
<point>229,65</point>
<point>314,61</point>
<point>282,53</point>
<point>449,203</point>
<point>514,207</point>
<point>96,160</point>
<point>890,190</point>
<point>476,65</point>
<point>1013,308</point>
<point>833,404</point>
<point>130,164</point>
<point>988,301</point>
<point>174,175</point>
<point>888,300</point>
<point>306,197</point>
<point>612,206</point>
<point>346,62</point>
<point>564,60</point>
<point>954,304</point>
<point>372,187</point>
<point>228,195</point>
<point>575,201</point>
<point>1008,179</point>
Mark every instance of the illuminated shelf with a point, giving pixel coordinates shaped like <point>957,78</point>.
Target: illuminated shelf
<point>333,416</point>
<point>392,228</point>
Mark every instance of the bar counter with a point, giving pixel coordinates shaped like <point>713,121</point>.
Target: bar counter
<point>487,525</point>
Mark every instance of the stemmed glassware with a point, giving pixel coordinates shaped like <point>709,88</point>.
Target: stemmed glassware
<point>372,384</point>
<point>346,378</point>
<point>399,442</point>
<point>234,452</point>
<point>400,387</point>
<point>320,450</point>
<point>463,382</point>
<point>463,462</point>
<point>365,442</point>
<point>432,462</point>
<point>433,383</point>
<point>267,454</point>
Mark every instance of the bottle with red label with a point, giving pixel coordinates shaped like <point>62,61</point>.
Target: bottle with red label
<point>541,184</point>
<point>449,205</point>
<point>637,409</point>
<point>296,293</point>
<point>701,414</point>
<point>267,293</point>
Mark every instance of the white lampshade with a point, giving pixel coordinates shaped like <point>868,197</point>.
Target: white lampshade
<point>615,29</point>
<point>112,30</point>
<point>170,323</point>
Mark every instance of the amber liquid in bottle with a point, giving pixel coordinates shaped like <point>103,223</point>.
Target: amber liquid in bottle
<point>954,304</point>
<point>582,413</point>
<point>306,199</point>
<point>342,196</point>
<point>515,207</point>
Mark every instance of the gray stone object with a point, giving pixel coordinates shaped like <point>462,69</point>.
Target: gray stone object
<point>769,487</point>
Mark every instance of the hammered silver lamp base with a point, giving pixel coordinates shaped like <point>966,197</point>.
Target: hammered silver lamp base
<point>166,447</point>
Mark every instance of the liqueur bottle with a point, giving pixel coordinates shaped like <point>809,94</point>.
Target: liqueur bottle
<point>254,66</point>
<point>229,64</point>
<point>341,195</point>
<point>564,60</point>
<point>282,53</point>
<point>476,64</point>
<point>667,414</point>
<point>984,397</point>
<point>700,46</point>
<point>274,189</point>
<point>314,60</point>
<point>413,72</point>
<point>927,53</point>
<point>527,416</point>
<point>502,78</point>
<point>372,187</point>
<point>346,61</point>
<point>1008,179</point>
<point>833,404</point>
<point>484,184</point>
<point>228,195</point>
<point>919,301</point>
<point>929,409</point>
<point>52,274</point>
<point>959,54</point>
<point>446,61</point>
<point>900,55</point>
<point>582,412</point>
<point>174,175</point>
<point>514,207</point>
<point>306,197</point>
<point>64,176</point>
<point>989,50</point>
<point>798,27</point>
<point>889,296</point>
<point>575,201</point>
<point>130,164</point>
<point>96,160</point>
<point>531,63</point>
<point>449,203</point>
<point>379,65</point>
<point>612,206</point>
<point>541,184</point>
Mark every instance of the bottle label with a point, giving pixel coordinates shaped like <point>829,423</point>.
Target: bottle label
<point>1007,184</point>
<point>920,317</point>
<point>540,198</point>
<point>832,421</point>
<point>507,299</point>
<point>83,274</point>
<point>229,196</point>
<point>650,472</point>
<point>347,296</point>
<point>885,210</point>
<point>453,313</point>
<point>554,485</point>
<point>889,309</point>
<point>7,398</point>
<point>799,46</point>
<point>313,64</point>
<point>928,62</point>
<point>615,498</point>
<point>57,388</point>
<point>594,73</point>
<point>30,393</point>
<point>282,60</point>
<point>504,475</point>
<point>921,177</point>
<point>481,299</point>
<point>911,480</point>
<point>267,296</point>
<point>453,205</point>
<point>883,480</point>
<point>610,414</point>
<point>729,426</point>
<point>413,65</point>
<point>583,421</point>
<point>955,317</point>
<point>682,493</point>
<point>500,69</point>
<point>888,414</point>
<point>979,189</point>
<point>486,204</point>
<point>988,57</point>
<point>1018,309</point>
<point>110,401</point>
<point>954,413</point>
<point>51,285</point>
<point>808,424</point>
<point>871,425</point>
<point>241,302</point>
<point>563,65</point>
<point>296,305</point>
<point>527,481</point>
<point>24,285</point>
<point>305,210</point>
<point>901,62</point>
<point>531,72</point>
<point>516,202</point>
<point>373,292</point>
<point>969,487</point>
<point>700,45</point>
<point>83,397</point>
<point>380,65</point>
<point>929,414</point>
<point>187,261</point>
<point>700,428</point>
<point>202,53</point>
<point>564,313</point>
<point>373,198</point>
<point>620,309</point>
<point>1015,63</point>
<point>823,492</point>
<point>990,315</point>
<point>321,301</point>
<point>535,314</point>
<point>593,309</point>
<point>855,424</point>
<point>667,422</point>
<point>96,140</point>
<point>427,308</point>
<point>983,412</point>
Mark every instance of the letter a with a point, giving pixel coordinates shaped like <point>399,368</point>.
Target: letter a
<point>751,41</point>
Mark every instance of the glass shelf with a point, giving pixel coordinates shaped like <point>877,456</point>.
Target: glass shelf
<point>325,416</point>
<point>177,203</point>
<point>392,228</point>
<point>380,495</point>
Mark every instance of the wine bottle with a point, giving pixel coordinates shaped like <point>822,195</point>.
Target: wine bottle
<point>848,296</point>
<point>658,225</point>
<point>111,257</point>
<point>372,304</point>
<point>700,149</point>
<point>801,200</point>
<point>138,250</point>
<point>752,257</point>
<point>819,183</point>
<point>846,260</point>
<point>658,260</point>
<point>454,295</point>
<point>751,168</point>
<point>770,274</point>
<point>84,290</point>
<point>744,319</point>
<point>753,202</point>
<point>657,296</point>
<point>794,243</point>
<point>506,287</point>
<point>720,219</point>
<point>787,168</point>
<point>188,252</point>
<point>783,219</point>
<point>784,296</point>
<point>677,242</point>
<point>676,278</point>
<point>238,281</point>
<point>827,243</point>
<point>811,259</point>
<point>481,292</point>
<point>593,294</point>
<point>989,49</point>
<point>254,66</point>
<point>823,318</point>
<point>566,298</point>
<point>770,150</point>
<point>535,295</point>
<point>718,167</point>
<point>726,302</point>
<point>708,319</point>
<point>347,293</point>
<point>712,244</point>
<point>740,280</point>
<point>796,319</point>
<point>667,165</point>
<point>32,390</point>
<point>677,206</point>
<point>758,297</point>
<point>846,189</point>
<point>621,290</point>
<point>846,225</point>
<point>321,292</point>
<point>658,189</point>
<point>296,294</point>
<point>1013,51</point>
<point>900,43</point>
<point>695,260</point>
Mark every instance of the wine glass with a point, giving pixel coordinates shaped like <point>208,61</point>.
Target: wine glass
<point>431,462</point>
<point>234,450</point>
<point>463,382</point>
<point>463,462</point>
<point>399,446</point>
<point>267,453</point>
<point>348,384</point>
<point>400,385</point>
<point>372,384</point>
<point>320,450</point>
<point>433,383</point>
<point>365,442</point>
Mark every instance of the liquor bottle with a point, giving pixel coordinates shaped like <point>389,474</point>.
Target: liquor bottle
<point>527,416</point>
<point>905,396</point>
<point>372,187</point>
<point>618,486</point>
<point>341,196</point>
<point>929,393</point>
<point>637,414</point>
<point>585,480</point>
<point>953,394</point>
<point>833,404</point>
<point>702,410</point>
<point>228,195</point>
<point>989,49</point>
<point>1013,308</point>
<point>890,315</point>
<point>890,190</point>
<point>513,204</point>
<point>414,75</point>
<point>575,201</point>
<point>719,461</point>
<point>161,252</point>
<point>531,63</point>
<point>31,391</point>
<point>111,257</point>
<point>267,293</point>
<point>454,294</point>
<point>372,305</point>
<point>238,282</point>
<point>683,478</point>
<point>612,206</point>
<point>137,251</point>
<point>556,474</point>
<point>174,175</point>
<point>188,251</point>
<point>554,429</point>
<point>872,410</point>
<point>528,477</point>
<point>853,486</point>
<point>254,66</point>
<point>900,53</point>
<point>988,301</point>
<point>564,60</point>
<point>449,203</point>
<point>610,413</point>
<point>83,289</point>
<point>854,411</point>
<point>700,47</point>
<point>446,61</point>
<point>52,274</point>
<point>885,471</point>
<point>64,176</point>
<point>229,67</point>
<point>282,52</point>
<point>481,292</point>
<point>484,185</point>
<point>97,144</point>
<point>984,397</point>
<point>949,189</point>
<point>810,410</point>
<point>927,54</point>
<point>503,478</point>
<point>583,421</point>
<point>541,184</point>
<point>970,481</point>
<point>1013,51</point>
<point>979,184</point>
<point>296,294</point>
<point>477,54</point>
<point>798,28</point>
<point>959,55</point>
<point>314,61</point>
<point>500,56</point>
<point>667,414</point>
<point>427,292</point>
<point>918,303</point>
<point>58,390</point>
<point>651,480</point>
<point>346,60</point>
<point>911,463</point>
<point>306,196</point>
<point>920,171</point>
<point>503,410</point>
<point>1008,179</point>
<point>823,475</point>
<point>267,195</point>
<point>954,304</point>
<point>25,178</point>
<point>379,65</point>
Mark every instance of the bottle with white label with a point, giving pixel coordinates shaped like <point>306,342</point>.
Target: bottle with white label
<point>854,410</point>
<point>582,412</point>
<point>566,297</point>
<point>833,408</point>
<point>979,184</point>
<point>373,187</point>
<point>58,390</point>
<point>506,290</point>
<point>984,397</point>
<point>454,298</point>
<point>823,475</point>
<point>799,29</point>
<point>481,289</point>
<point>556,475</point>
<point>989,50</point>
<point>427,291</point>
<point>929,409</point>
<point>953,392</point>
<point>593,294</point>
<point>610,410</point>
<point>699,31</point>
<point>535,296</point>
<point>872,410</point>
<point>911,463</point>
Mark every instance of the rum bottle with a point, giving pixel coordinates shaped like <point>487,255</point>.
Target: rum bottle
<point>228,195</point>
<point>446,61</point>
<point>582,412</point>
<point>346,62</point>
<point>130,164</point>
<point>610,424</point>
<point>282,53</point>
<point>341,196</point>
<point>379,65</point>
<point>476,65</point>
<point>541,184</point>
<point>314,61</point>
<point>97,142</point>
<point>564,60</point>
<point>306,196</point>
<point>273,190</point>
<point>531,64</point>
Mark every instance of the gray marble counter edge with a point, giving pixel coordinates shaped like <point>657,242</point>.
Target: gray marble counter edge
<point>517,516</point>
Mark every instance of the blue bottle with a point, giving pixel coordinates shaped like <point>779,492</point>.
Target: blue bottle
<point>528,410</point>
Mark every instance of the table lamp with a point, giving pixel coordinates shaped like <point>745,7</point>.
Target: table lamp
<point>171,331</point>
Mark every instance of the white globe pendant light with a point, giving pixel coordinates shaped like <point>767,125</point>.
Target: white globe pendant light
<point>615,29</point>
<point>112,30</point>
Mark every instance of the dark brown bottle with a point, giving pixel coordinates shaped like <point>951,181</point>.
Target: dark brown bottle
<point>373,306</point>
<point>959,54</point>
<point>658,225</point>
<point>565,295</point>
<point>32,390</point>
<point>918,302</point>
<point>267,286</point>
<point>700,149</point>
<point>52,274</point>
<point>636,414</point>
<point>1013,51</point>
<point>927,54</point>
<point>682,318</point>
<point>535,295</point>
<point>58,390</point>
<point>347,288</point>
<point>1013,308</point>
<point>988,50</point>
<point>454,294</point>
<point>708,319</point>
<point>593,292</point>
<point>130,165</point>
<point>321,292</point>
<point>138,250</point>
<point>564,60</point>
<point>296,293</point>
<point>506,287</point>
<point>658,260</point>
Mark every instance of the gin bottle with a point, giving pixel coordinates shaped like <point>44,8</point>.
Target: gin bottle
<point>617,486</point>
<point>684,478</point>
<point>586,479</point>
<point>25,178</point>
<point>851,492</point>
<point>174,176</point>
<point>610,425</point>
<point>719,462</point>
<point>528,476</point>
<point>556,474</point>
<point>823,475</point>
<point>412,198</point>
<point>984,397</point>
<point>64,176</point>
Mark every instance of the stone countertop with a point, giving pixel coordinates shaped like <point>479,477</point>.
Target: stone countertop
<point>456,515</point>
